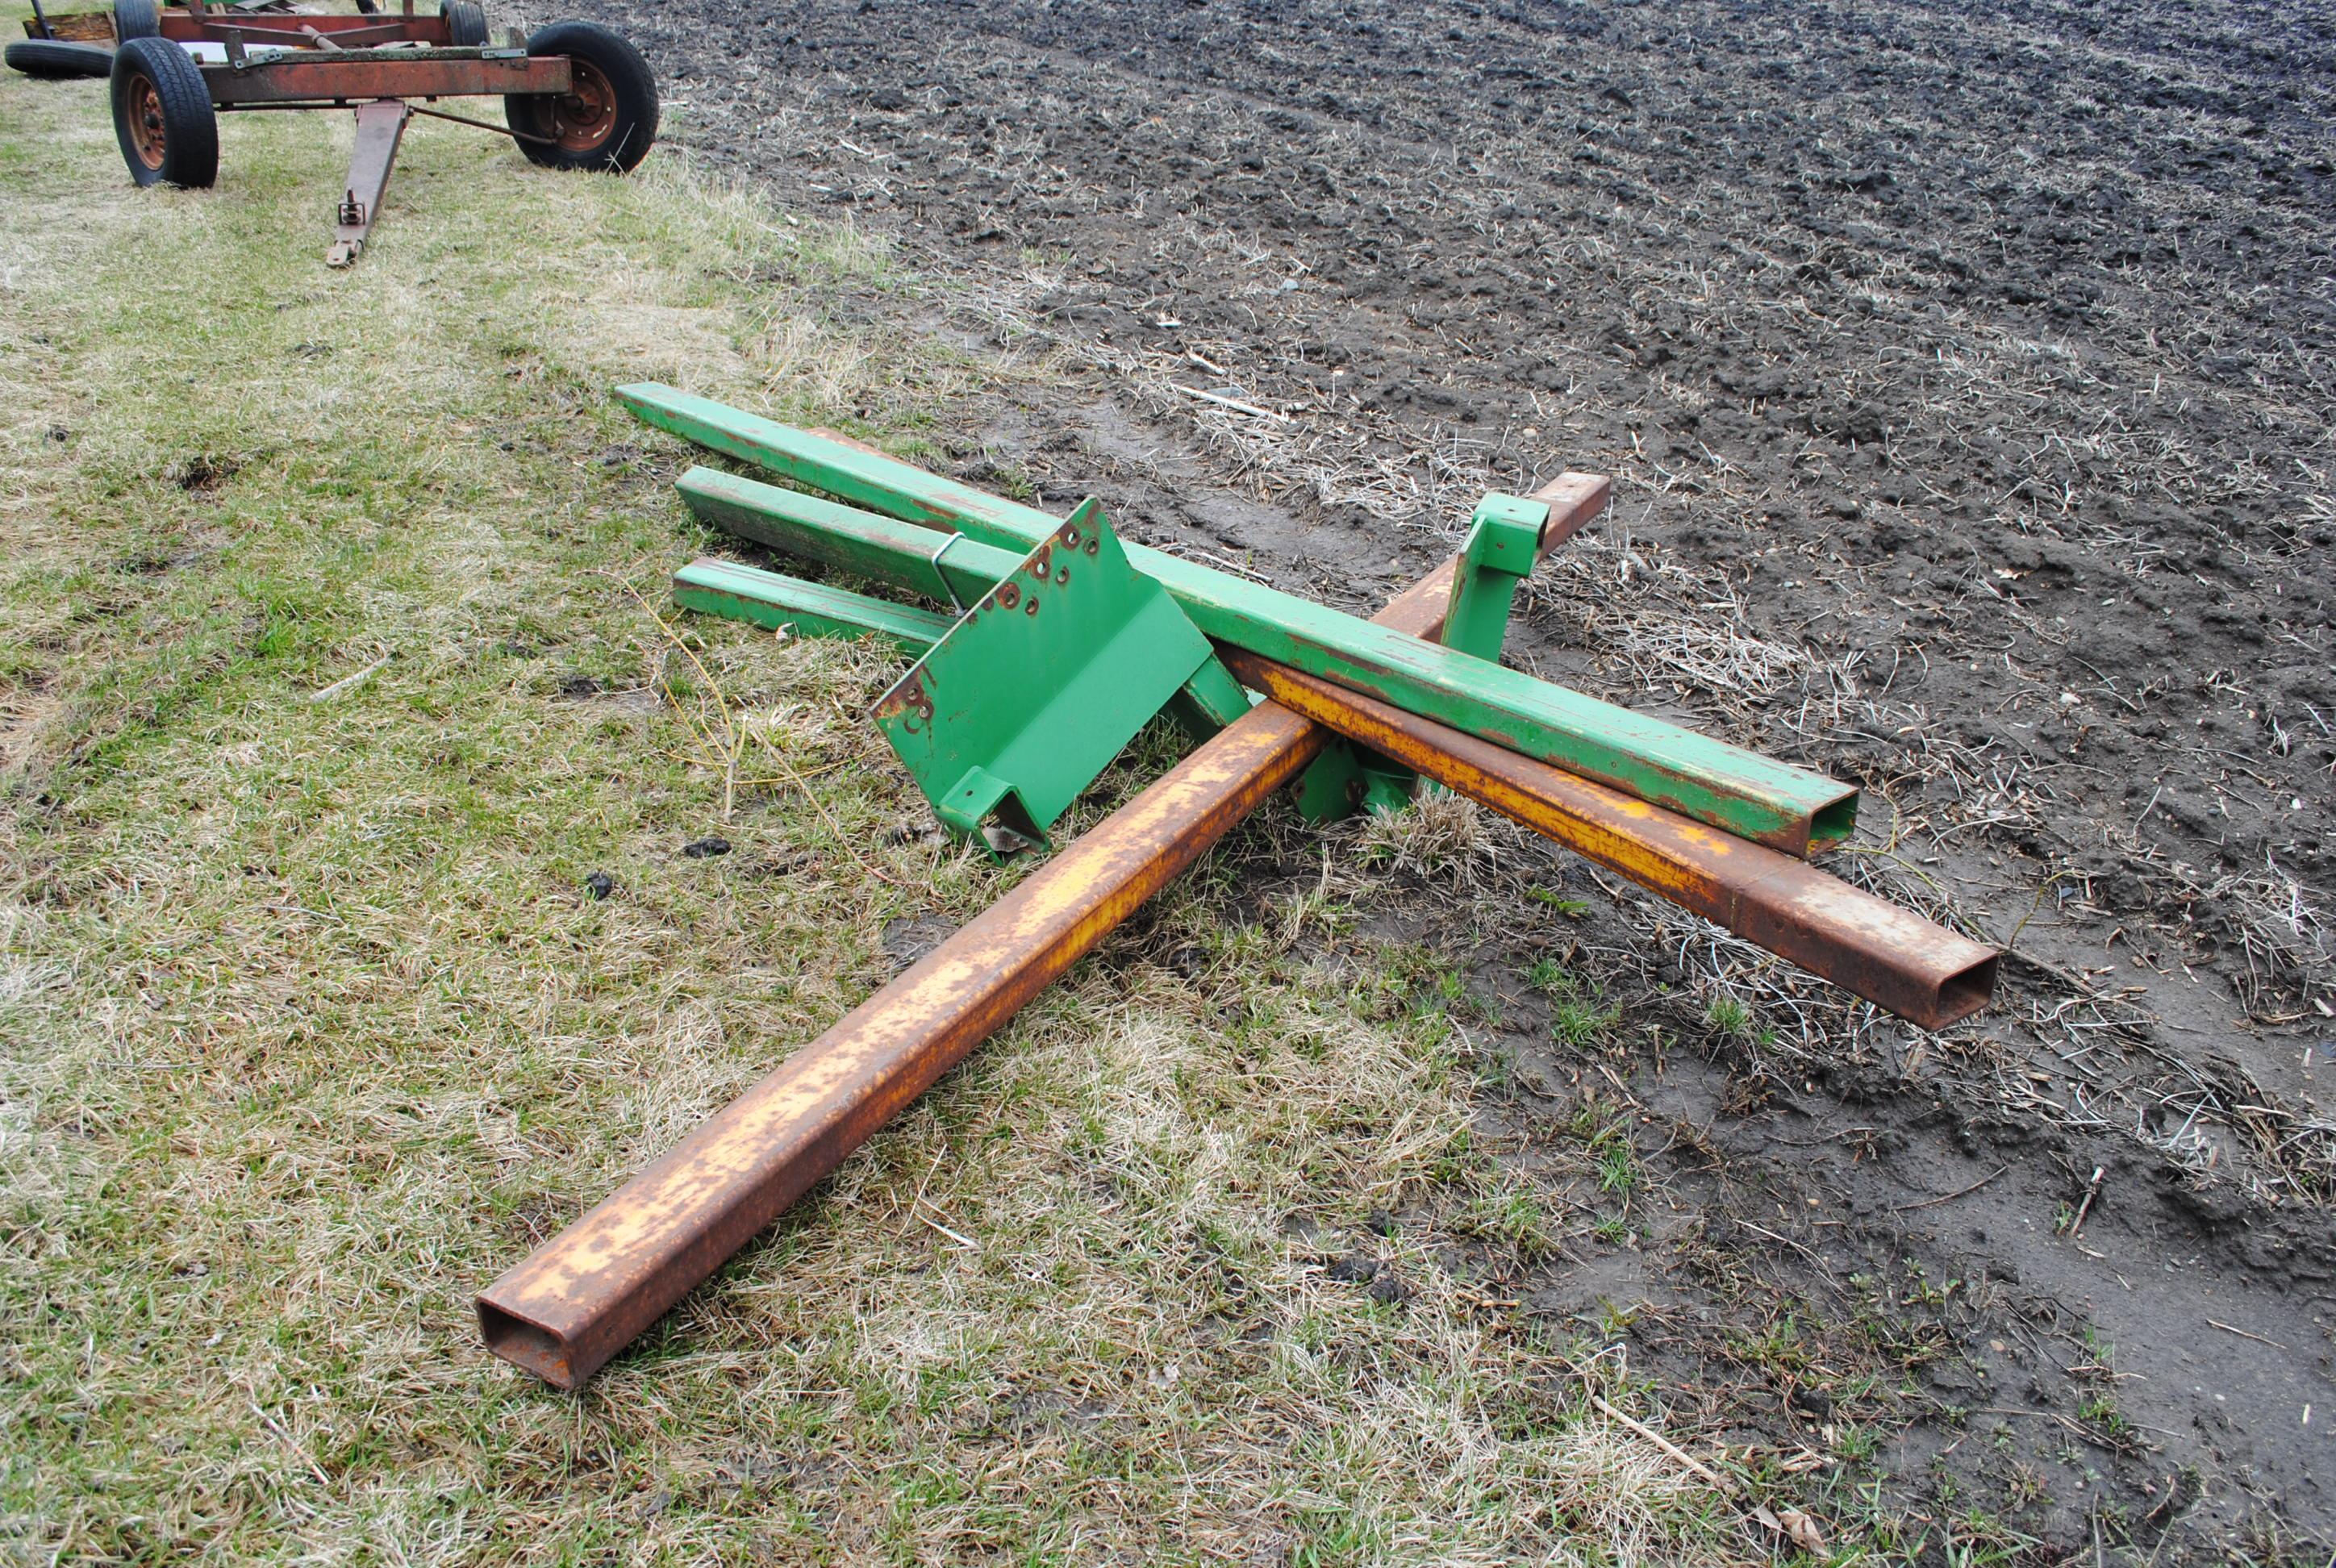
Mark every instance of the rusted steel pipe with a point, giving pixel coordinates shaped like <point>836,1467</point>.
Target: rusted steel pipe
<point>584,1294</point>
<point>1893,958</point>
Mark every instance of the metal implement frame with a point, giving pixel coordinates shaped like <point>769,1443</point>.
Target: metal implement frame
<point>322,80</point>
<point>1741,792</point>
<point>1894,958</point>
<point>1891,957</point>
<point>582,1296</point>
<point>564,1310</point>
<point>380,126</point>
<point>375,83</point>
<point>364,63</point>
<point>940,566</point>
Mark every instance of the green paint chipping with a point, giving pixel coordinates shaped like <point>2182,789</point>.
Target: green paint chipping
<point>1726,786</point>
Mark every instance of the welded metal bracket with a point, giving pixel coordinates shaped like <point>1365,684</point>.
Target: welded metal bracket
<point>1503,543</point>
<point>1346,779</point>
<point>1043,682</point>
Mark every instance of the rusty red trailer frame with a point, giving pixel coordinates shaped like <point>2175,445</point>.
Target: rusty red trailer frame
<point>334,80</point>
<point>295,30</point>
<point>590,98</point>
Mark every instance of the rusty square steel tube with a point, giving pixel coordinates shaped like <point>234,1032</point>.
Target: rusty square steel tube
<point>584,1294</point>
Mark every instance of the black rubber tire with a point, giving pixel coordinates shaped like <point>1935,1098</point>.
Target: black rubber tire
<point>136,19</point>
<point>158,73</point>
<point>53,59</point>
<point>631,89</point>
<point>466,24</point>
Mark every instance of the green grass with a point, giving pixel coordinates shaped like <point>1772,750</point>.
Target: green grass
<point>333,662</point>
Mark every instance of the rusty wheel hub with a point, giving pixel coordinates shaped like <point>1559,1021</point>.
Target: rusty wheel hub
<point>586,117</point>
<point>146,133</point>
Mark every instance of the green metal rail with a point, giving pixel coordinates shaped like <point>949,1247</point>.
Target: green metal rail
<point>809,609</point>
<point>1741,792</point>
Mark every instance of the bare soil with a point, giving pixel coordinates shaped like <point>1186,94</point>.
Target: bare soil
<point>1966,374</point>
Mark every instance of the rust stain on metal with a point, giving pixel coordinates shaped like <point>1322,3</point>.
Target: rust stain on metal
<point>1891,956</point>
<point>1573,501</point>
<point>906,697</point>
<point>319,78</point>
<point>565,1309</point>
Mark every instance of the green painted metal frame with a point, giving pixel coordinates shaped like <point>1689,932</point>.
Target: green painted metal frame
<point>1726,786</point>
<point>935,563</point>
<point>1504,546</point>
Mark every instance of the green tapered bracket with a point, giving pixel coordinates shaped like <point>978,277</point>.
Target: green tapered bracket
<point>1043,682</point>
<point>1338,783</point>
<point>1503,543</point>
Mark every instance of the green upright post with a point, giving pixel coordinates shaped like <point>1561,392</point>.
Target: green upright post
<point>1503,543</point>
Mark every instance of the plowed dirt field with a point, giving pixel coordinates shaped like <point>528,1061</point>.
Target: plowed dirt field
<point>1966,375</point>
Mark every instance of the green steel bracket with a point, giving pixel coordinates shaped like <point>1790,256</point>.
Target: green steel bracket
<point>1503,544</point>
<point>808,608</point>
<point>1740,791</point>
<point>944,565</point>
<point>1346,779</point>
<point>1503,541</point>
<point>1334,786</point>
<point>1042,683</point>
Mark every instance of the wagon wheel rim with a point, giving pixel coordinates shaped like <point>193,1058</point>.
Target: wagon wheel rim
<point>585,116</point>
<point>147,137</point>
